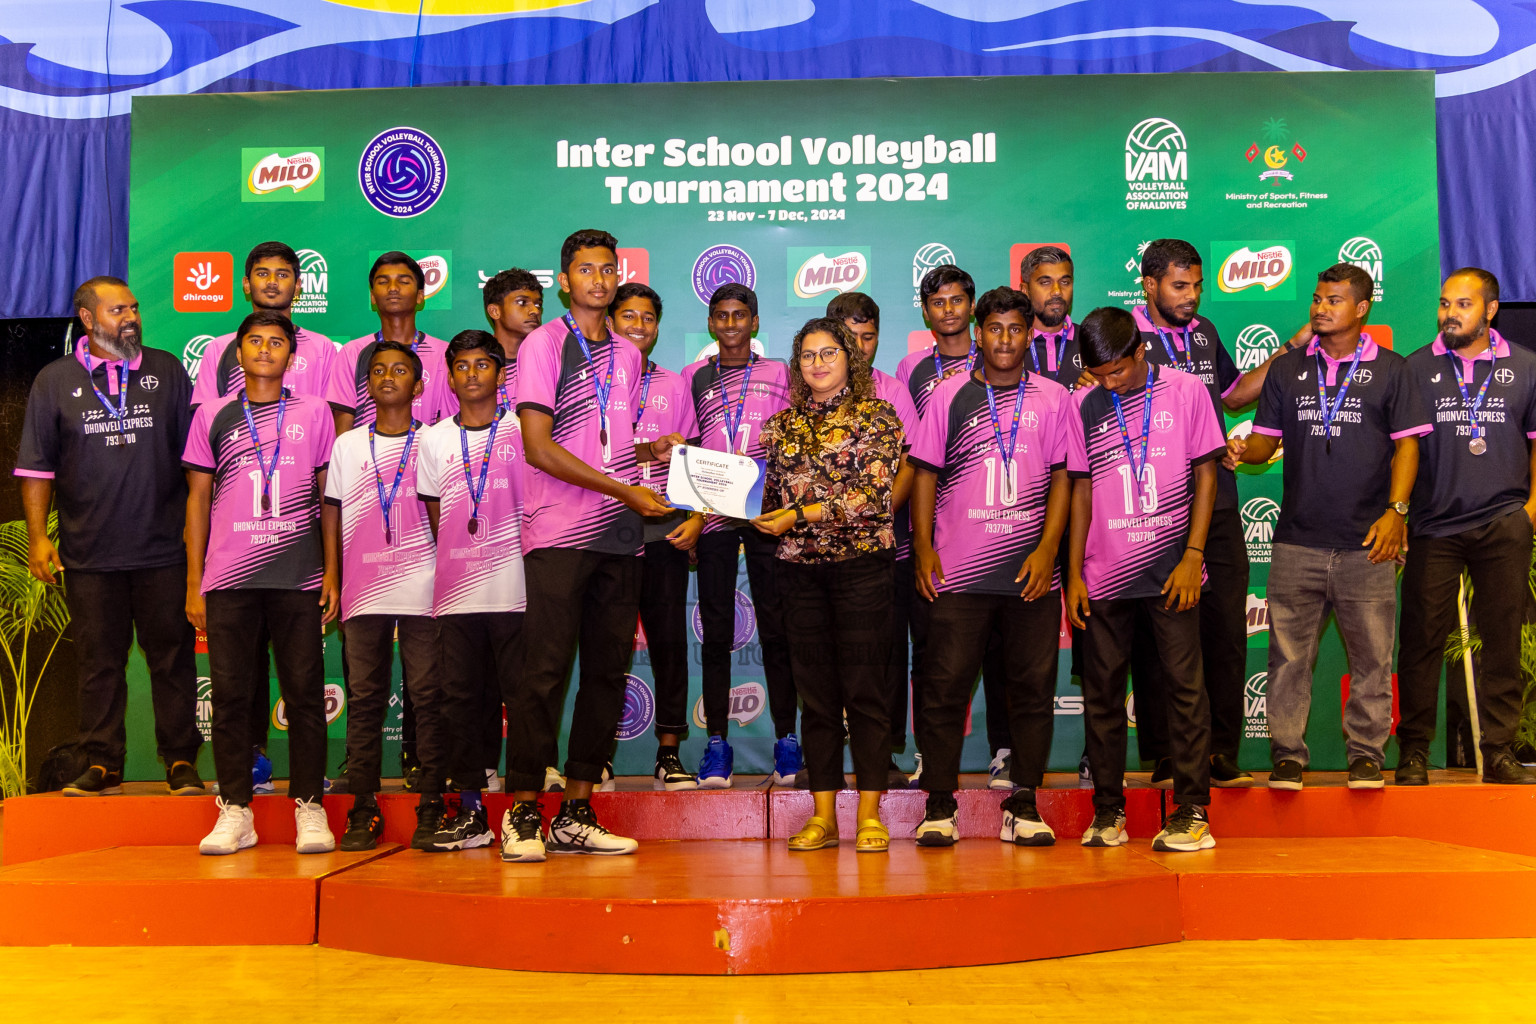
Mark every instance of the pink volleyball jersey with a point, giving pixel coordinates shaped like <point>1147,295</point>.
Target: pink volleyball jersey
<point>555,378</point>
<point>889,389</point>
<point>721,404</point>
<point>665,408</point>
<point>989,511</point>
<point>480,571</point>
<point>1138,530</point>
<point>348,388</point>
<point>250,547</point>
<point>381,573</point>
<point>309,368</point>
<point>918,373</point>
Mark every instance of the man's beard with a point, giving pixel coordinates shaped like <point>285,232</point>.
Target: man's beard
<point>1049,319</point>
<point>125,343</point>
<point>1173,318</point>
<point>1461,339</point>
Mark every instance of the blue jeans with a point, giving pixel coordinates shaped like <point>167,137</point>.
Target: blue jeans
<point>1305,584</point>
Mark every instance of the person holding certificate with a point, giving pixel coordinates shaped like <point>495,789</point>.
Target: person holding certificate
<point>832,459</point>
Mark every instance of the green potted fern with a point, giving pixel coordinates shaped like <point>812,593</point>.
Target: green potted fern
<point>32,614</point>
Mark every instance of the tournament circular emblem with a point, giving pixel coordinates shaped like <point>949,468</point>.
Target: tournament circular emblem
<point>722,264</point>
<point>402,172</point>
<point>746,622</point>
<point>639,709</point>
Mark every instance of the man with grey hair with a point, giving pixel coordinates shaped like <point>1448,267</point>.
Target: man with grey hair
<point>104,430</point>
<point>1045,275</point>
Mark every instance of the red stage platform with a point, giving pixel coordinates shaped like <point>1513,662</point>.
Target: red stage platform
<point>1449,860</point>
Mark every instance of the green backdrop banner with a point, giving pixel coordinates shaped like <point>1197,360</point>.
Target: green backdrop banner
<point>802,190</point>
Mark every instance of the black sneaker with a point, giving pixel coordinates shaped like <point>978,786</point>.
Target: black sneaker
<point>429,815</point>
<point>940,825</point>
<point>464,830</point>
<point>1524,753</point>
<point>575,829</point>
<point>670,775</point>
<point>1412,768</point>
<point>1286,775</point>
<point>337,785</point>
<point>1504,770</point>
<point>364,826</point>
<point>410,772</point>
<point>1022,824</point>
<point>1225,774</point>
<point>96,781</point>
<point>182,780</point>
<point>895,778</point>
<point>1187,830</point>
<point>1162,773</point>
<point>1365,774</point>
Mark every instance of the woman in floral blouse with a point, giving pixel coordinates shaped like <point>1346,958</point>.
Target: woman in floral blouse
<point>833,456</point>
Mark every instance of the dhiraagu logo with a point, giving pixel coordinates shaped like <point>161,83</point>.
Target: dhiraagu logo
<point>283,175</point>
<point>1254,271</point>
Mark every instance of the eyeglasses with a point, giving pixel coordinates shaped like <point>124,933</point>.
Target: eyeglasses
<point>826,355</point>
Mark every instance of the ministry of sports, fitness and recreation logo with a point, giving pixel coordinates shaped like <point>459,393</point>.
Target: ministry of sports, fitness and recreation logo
<point>1156,166</point>
<point>192,354</point>
<point>933,254</point>
<point>1254,270</point>
<point>402,172</point>
<point>722,264</point>
<point>335,703</point>
<point>314,284</point>
<point>1278,150</point>
<point>1254,344</point>
<point>747,701</point>
<point>639,709</point>
<point>1364,253</point>
<point>283,175</point>
<point>1259,516</point>
<point>746,622</point>
<point>1256,707</point>
<point>816,274</point>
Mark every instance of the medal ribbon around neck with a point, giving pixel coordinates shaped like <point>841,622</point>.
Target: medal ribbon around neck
<point>1055,347</point>
<point>1330,412</point>
<point>645,390</point>
<point>938,364</point>
<point>386,503</point>
<point>1138,468</point>
<point>1474,406</point>
<point>1006,451</point>
<point>121,410</point>
<point>476,493</point>
<point>1173,349</point>
<point>604,387</point>
<point>277,444</point>
<point>733,425</point>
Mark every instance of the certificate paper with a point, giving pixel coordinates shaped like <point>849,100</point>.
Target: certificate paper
<point>718,483</point>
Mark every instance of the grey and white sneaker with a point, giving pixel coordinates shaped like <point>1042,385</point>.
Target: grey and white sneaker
<point>234,831</point>
<point>670,774</point>
<point>1022,825</point>
<point>999,770</point>
<point>1084,773</point>
<point>314,832</point>
<point>1187,829</point>
<point>576,830</point>
<point>492,781</point>
<point>554,782</point>
<point>1107,828</point>
<point>522,834</point>
<point>915,780</point>
<point>940,825</point>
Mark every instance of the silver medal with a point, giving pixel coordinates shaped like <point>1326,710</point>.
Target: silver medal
<point>1477,446</point>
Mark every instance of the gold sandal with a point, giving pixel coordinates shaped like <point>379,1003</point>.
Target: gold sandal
<point>873,837</point>
<point>815,834</point>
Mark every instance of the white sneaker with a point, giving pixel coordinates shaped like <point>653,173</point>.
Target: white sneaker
<point>1026,829</point>
<point>522,837</point>
<point>578,831</point>
<point>999,770</point>
<point>314,832</point>
<point>609,783</point>
<point>1107,829</point>
<point>938,831</point>
<point>492,781</point>
<point>234,831</point>
<point>554,782</point>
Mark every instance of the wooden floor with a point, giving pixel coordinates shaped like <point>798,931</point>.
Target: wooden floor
<point>1233,982</point>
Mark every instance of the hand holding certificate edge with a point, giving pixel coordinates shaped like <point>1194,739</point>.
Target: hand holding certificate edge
<point>714,482</point>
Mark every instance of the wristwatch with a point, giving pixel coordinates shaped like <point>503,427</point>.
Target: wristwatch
<point>800,519</point>
<point>1400,507</point>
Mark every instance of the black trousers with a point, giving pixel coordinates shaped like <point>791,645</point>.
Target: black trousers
<point>106,610</point>
<point>993,675</point>
<point>1498,557</point>
<point>664,614</point>
<point>1106,664</point>
<point>994,686</point>
<point>963,630</point>
<point>717,611</point>
<point>235,660</point>
<point>898,674</point>
<point>838,618</point>
<point>1223,648</point>
<point>578,602</point>
<point>369,643</point>
<point>481,655</point>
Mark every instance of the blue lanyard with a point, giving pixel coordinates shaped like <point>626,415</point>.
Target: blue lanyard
<point>1173,350</point>
<point>645,390</point>
<point>938,364</point>
<point>477,492</point>
<point>1474,406</point>
<point>122,390</point>
<point>378,336</point>
<point>1058,342</point>
<point>605,386</point>
<point>405,453</point>
<point>1006,451</point>
<point>1138,468</point>
<point>277,445</point>
<point>733,425</point>
<point>1330,412</point>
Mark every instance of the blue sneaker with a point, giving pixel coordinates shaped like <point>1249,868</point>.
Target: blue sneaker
<point>715,766</point>
<point>261,772</point>
<point>786,761</point>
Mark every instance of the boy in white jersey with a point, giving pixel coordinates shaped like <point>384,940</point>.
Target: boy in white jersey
<point>372,517</point>
<point>470,478</point>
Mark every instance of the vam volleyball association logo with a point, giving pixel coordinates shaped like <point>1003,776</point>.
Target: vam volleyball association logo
<point>1364,253</point>
<point>402,172</point>
<point>1156,166</point>
<point>192,354</point>
<point>1255,343</point>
